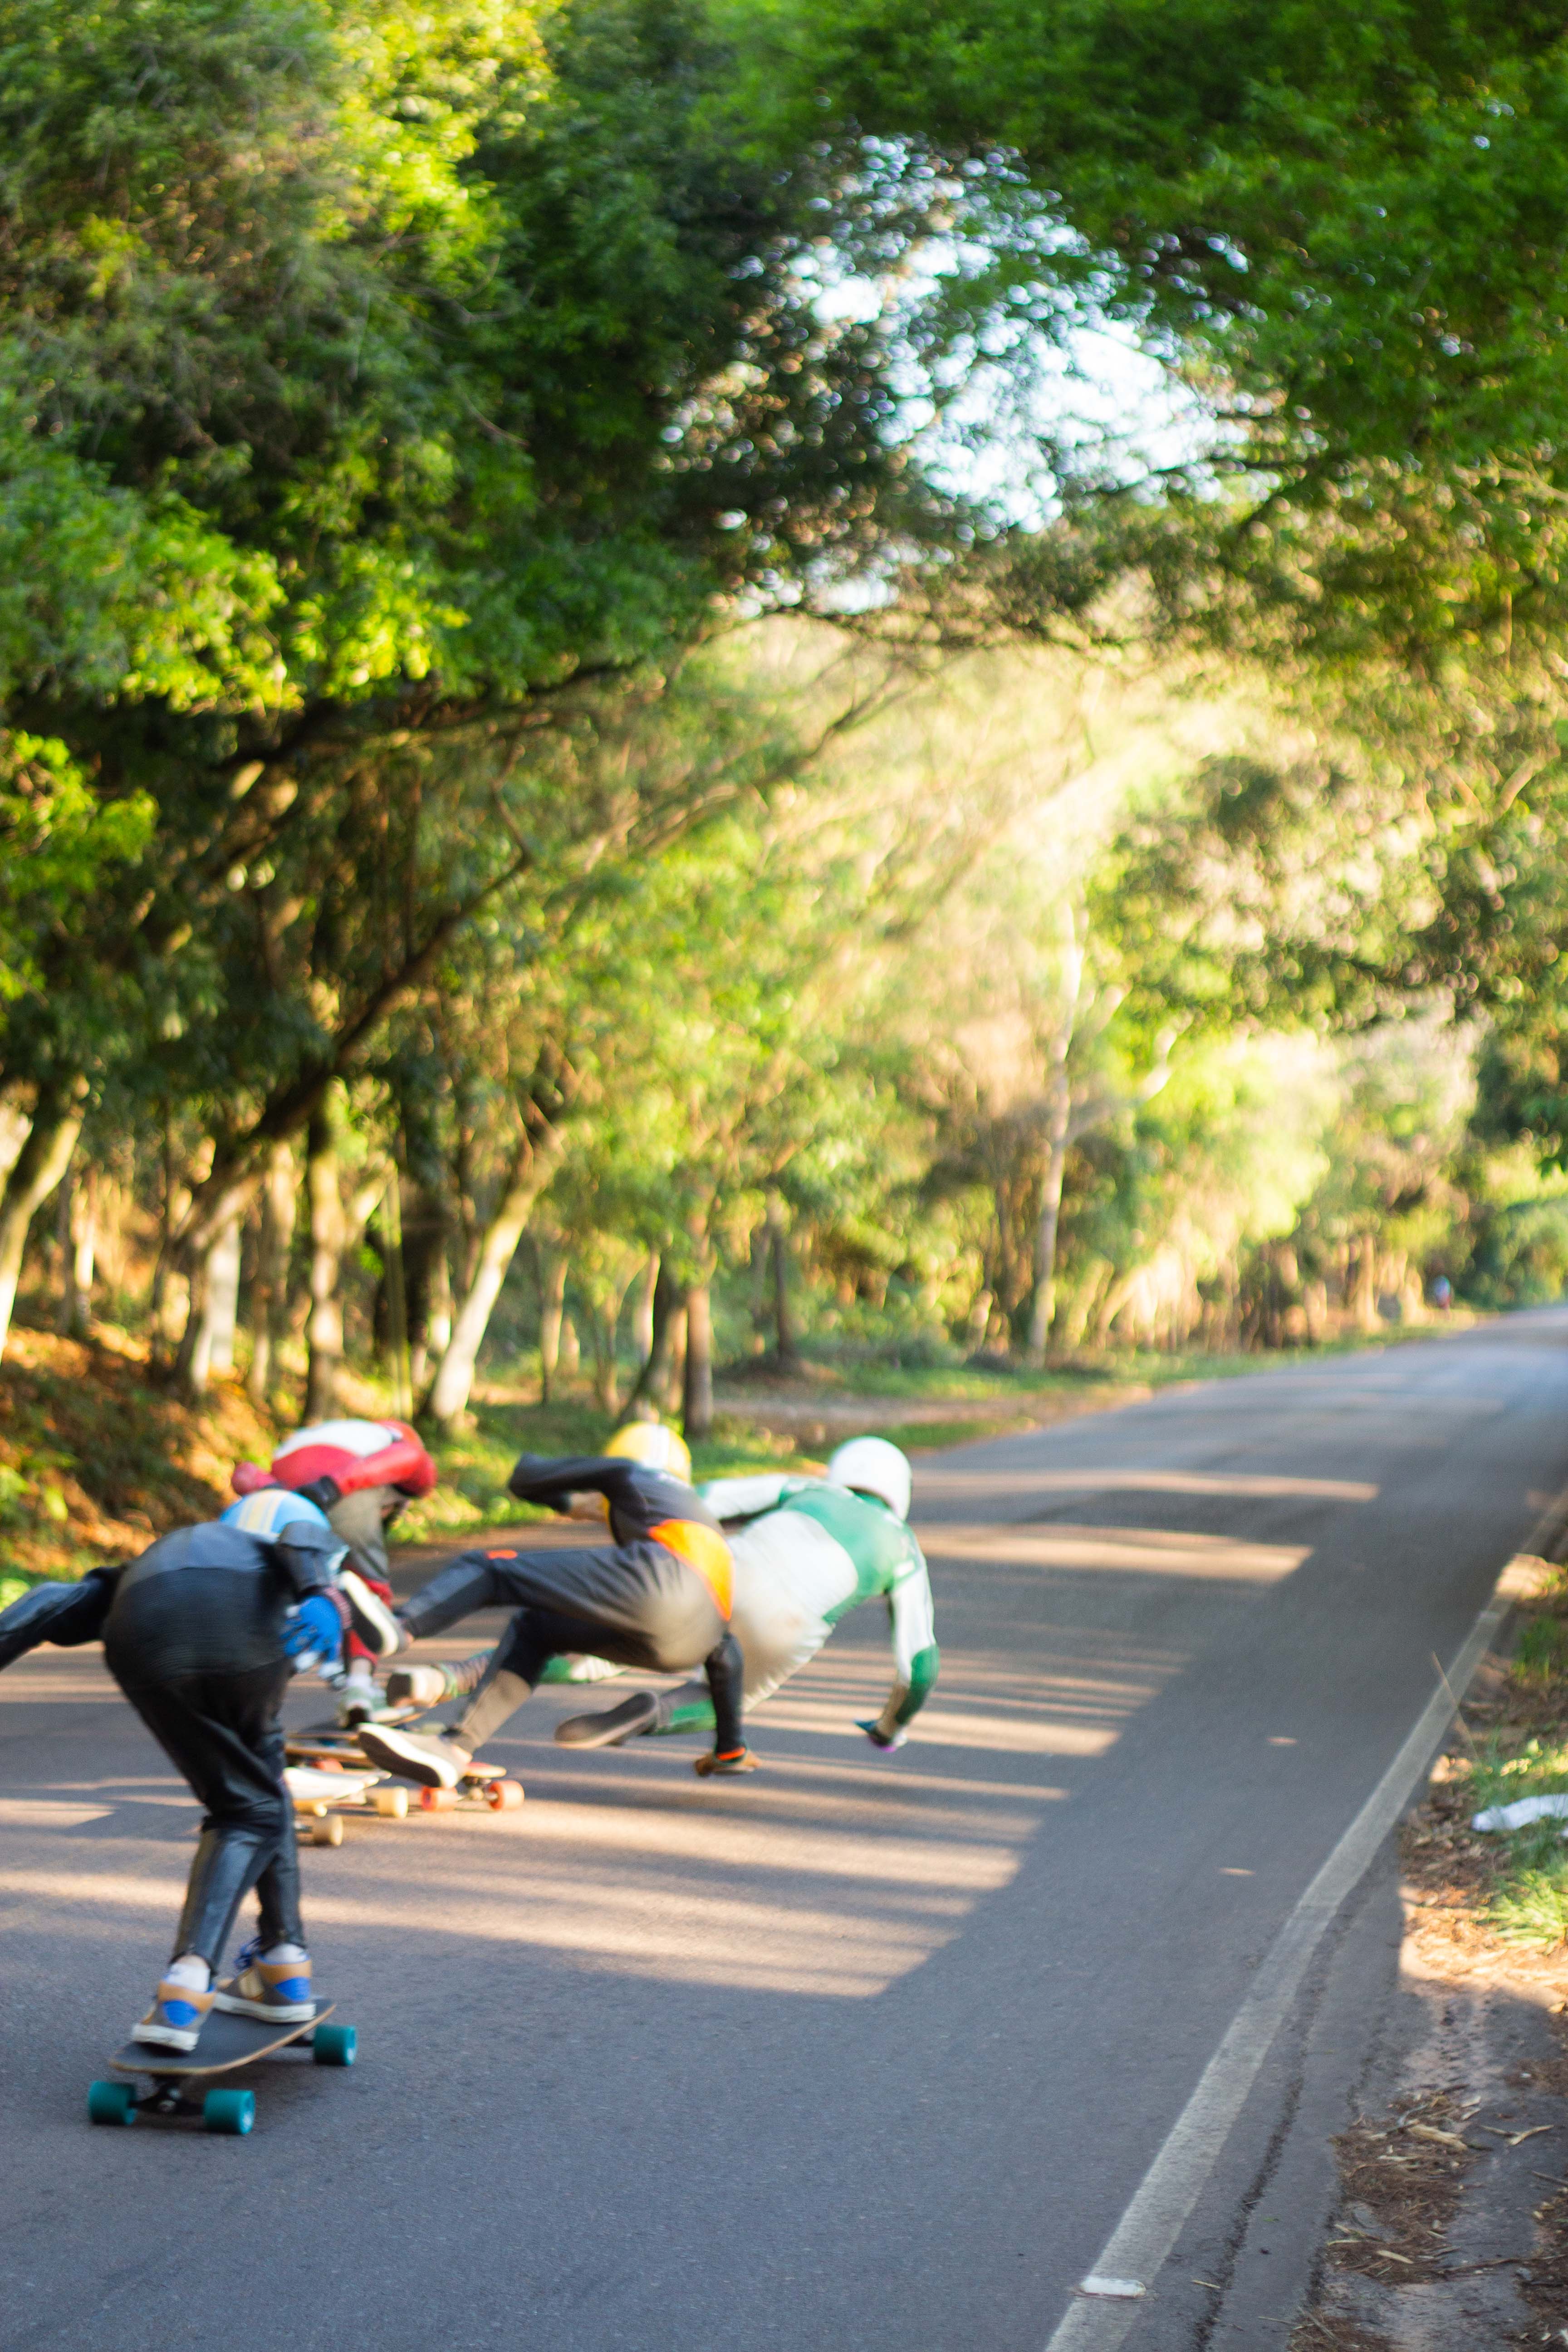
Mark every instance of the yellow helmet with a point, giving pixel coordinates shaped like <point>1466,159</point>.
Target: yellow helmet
<point>655,1446</point>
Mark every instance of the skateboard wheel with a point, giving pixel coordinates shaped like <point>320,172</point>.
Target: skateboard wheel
<point>233,2112</point>
<point>437,1800</point>
<point>391,1802</point>
<point>334,2046</point>
<point>329,1831</point>
<point>111,2103</point>
<point>503,1796</point>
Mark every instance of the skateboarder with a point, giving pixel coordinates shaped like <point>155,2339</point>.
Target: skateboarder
<point>659,1599</point>
<point>202,1634</point>
<point>806,1551</point>
<point>363,1474</point>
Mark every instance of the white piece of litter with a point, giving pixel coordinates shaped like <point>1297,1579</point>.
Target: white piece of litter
<point>1118,2290</point>
<point>1524,1810</point>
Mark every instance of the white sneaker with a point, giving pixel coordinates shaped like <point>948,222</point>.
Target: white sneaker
<point>421,1756</point>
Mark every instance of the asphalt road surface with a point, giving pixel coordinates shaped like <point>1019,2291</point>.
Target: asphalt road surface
<point>859,2051</point>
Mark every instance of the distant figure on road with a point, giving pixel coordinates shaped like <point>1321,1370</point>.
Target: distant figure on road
<point>659,1599</point>
<point>1442,1293</point>
<point>806,1552</point>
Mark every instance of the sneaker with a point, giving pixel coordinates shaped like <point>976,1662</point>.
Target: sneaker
<point>358,1700</point>
<point>426,1686</point>
<point>277,1991</point>
<point>734,1760</point>
<point>176,2019</point>
<point>419,1686</point>
<point>639,1713</point>
<point>422,1755</point>
<point>373,1621</point>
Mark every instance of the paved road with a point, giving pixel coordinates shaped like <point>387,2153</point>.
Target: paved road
<point>857,2051</point>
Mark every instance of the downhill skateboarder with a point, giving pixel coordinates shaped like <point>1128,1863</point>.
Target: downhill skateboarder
<point>202,1634</point>
<point>659,1599</point>
<point>807,1551</point>
<point>363,1474</point>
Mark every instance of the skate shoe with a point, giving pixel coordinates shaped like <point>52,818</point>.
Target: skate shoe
<point>370,1617</point>
<point>422,1755</point>
<point>634,1715</point>
<point>419,1686</point>
<point>358,1700</point>
<point>277,1991</point>
<point>176,2019</point>
<point>734,1760</point>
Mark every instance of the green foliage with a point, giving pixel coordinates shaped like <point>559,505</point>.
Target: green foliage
<point>1522,1257</point>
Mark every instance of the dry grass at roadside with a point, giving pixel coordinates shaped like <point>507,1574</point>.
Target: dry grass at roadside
<point>1483,1911</point>
<point>97,1457</point>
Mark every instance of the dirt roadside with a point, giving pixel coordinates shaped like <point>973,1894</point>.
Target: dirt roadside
<point>1451,2233</point>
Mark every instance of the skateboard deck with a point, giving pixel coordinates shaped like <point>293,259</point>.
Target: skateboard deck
<point>227,2043</point>
<point>485,1785</point>
<point>321,1790</point>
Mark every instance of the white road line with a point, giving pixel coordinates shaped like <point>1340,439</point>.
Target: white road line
<point>1142,2239</point>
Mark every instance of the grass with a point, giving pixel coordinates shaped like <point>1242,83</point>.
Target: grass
<point>1526,1755</point>
<point>97,1458</point>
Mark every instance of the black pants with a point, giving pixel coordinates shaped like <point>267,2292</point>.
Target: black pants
<point>635,1604</point>
<point>198,1654</point>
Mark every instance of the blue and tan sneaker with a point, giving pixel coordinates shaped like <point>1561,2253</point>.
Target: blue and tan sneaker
<point>277,1991</point>
<point>176,2019</point>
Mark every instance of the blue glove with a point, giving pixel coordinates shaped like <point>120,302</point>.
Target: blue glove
<point>313,1634</point>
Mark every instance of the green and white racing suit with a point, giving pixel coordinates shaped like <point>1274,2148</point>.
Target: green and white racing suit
<point>806,1554</point>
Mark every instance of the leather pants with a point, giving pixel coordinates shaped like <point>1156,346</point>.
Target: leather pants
<point>218,1723</point>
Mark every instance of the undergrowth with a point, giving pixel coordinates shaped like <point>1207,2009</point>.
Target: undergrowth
<point>1524,1753</point>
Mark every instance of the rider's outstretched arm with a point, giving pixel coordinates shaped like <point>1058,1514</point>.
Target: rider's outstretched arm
<point>66,1614</point>
<point>911,1621</point>
<point>552,1479</point>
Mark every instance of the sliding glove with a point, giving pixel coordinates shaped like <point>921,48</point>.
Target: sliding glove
<point>313,1633</point>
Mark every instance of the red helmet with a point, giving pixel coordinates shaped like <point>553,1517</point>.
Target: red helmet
<point>351,1453</point>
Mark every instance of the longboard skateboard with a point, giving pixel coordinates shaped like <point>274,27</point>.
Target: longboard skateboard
<point>482,1785</point>
<point>326,1788</point>
<point>224,2045</point>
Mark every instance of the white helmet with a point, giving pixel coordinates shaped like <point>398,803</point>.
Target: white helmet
<point>870,1465</point>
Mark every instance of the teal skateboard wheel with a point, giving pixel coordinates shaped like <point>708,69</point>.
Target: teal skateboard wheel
<point>111,2103</point>
<point>334,2046</point>
<point>229,2111</point>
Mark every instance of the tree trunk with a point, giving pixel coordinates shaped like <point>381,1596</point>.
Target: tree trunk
<point>217,1289</point>
<point>391,1222</point>
<point>603,1320</point>
<point>650,1394</point>
<point>696,1384</point>
<point>552,1306</point>
<point>531,1169</point>
<point>82,1238</point>
<point>1042,1307</point>
<point>269,1292</point>
<point>778,1254</point>
<point>39,1167</point>
<point>1366,1284</point>
<point>428,1283</point>
<point>642,1311</point>
<point>1058,1117</point>
<point>324,1331</point>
